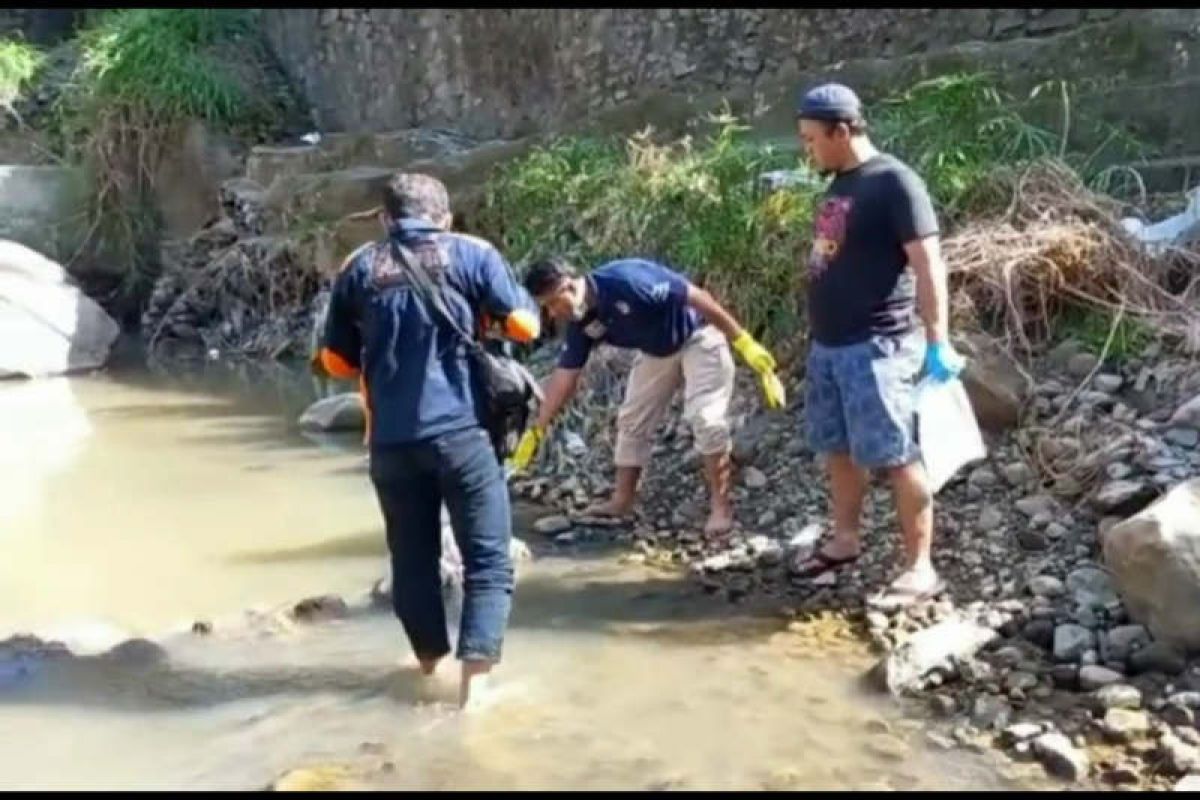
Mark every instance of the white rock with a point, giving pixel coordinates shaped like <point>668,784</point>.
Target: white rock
<point>935,648</point>
<point>1155,561</point>
<point>1060,757</point>
<point>47,325</point>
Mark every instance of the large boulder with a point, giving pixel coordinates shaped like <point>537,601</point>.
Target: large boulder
<point>1154,557</point>
<point>47,325</point>
<point>996,385</point>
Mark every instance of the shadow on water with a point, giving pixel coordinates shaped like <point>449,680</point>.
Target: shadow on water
<point>367,543</point>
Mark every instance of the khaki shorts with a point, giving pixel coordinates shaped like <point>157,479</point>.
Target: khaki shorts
<point>704,365</point>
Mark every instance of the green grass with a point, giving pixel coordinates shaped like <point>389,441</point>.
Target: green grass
<point>691,204</point>
<point>19,62</point>
<point>1091,327</point>
<point>164,63</point>
<point>142,74</point>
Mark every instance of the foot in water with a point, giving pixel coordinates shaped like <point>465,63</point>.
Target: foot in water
<point>476,690</point>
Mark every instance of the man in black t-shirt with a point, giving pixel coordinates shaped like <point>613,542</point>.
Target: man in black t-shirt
<point>875,261</point>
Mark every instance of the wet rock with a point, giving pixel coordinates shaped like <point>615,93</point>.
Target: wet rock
<point>1114,695</point>
<point>989,713</point>
<point>934,649</point>
<point>943,706</point>
<point>342,412</point>
<point>1071,642</point>
<point>1155,560</point>
<point>1096,677</point>
<point>552,525</point>
<point>1123,724</point>
<point>1157,657</point>
<point>316,609</point>
<point>1060,757</point>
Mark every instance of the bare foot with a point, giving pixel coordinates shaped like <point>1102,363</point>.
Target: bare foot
<point>474,685</point>
<point>428,665</point>
<point>720,522</point>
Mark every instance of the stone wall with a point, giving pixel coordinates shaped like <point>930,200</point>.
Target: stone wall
<point>511,72</point>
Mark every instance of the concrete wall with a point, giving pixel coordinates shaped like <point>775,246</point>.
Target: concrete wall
<point>511,72</point>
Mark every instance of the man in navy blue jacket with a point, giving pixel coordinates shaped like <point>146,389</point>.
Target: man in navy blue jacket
<point>427,440</point>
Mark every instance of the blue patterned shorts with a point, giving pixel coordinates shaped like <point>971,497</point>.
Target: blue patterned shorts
<point>861,399</point>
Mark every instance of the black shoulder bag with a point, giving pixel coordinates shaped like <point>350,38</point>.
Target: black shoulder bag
<point>511,395</point>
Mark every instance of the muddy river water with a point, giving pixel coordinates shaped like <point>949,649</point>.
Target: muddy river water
<point>133,504</point>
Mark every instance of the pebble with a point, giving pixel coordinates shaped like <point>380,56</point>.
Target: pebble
<point>1116,695</point>
<point>1032,540</point>
<point>1071,642</point>
<point>1123,724</point>
<point>754,478</point>
<point>1184,437</point>
<point>1018,473</point>
<point>1047,586</point>
<point>990,519</point>
<point>1157,657</point>
<point>1095,677</point>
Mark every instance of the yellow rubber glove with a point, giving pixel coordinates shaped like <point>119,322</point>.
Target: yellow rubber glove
<point>762,362</point>
<point>527,448</point>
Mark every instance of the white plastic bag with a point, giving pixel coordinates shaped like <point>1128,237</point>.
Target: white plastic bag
<point>946,429</point>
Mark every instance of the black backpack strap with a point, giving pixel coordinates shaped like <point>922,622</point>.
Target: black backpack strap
<point>430,291</point>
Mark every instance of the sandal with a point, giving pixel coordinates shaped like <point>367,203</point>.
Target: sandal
<point>825,563</point>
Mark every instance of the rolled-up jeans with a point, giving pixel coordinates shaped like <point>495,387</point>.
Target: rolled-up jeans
<point>412,481</point>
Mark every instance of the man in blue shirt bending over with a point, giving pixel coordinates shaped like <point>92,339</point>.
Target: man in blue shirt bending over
<point>683,336</point>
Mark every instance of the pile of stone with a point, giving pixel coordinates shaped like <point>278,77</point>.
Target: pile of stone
<point>1070,555</point>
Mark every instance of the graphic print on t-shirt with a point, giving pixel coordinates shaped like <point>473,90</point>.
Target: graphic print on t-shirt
<point>830,233</point>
